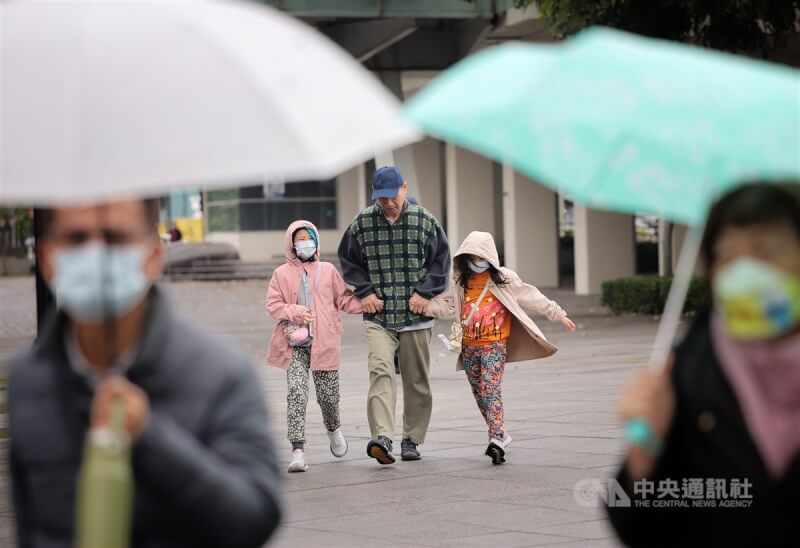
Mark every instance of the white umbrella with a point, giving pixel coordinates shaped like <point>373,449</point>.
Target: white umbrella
<point>103,98</point>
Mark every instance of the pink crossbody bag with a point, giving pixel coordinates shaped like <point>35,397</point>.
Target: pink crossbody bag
<point>302,334</point>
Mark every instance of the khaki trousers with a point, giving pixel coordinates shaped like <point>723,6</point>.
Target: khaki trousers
<point>415,362</point>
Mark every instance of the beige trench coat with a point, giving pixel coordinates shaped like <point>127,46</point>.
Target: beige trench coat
<point>527,342</point>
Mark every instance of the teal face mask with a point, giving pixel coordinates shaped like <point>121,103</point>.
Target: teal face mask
<point>96,282</point>
<point>756,301</point>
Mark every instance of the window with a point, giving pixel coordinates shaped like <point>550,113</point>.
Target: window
<point>272,206</point>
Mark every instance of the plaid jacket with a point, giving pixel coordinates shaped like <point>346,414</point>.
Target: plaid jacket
<point>394,261</point>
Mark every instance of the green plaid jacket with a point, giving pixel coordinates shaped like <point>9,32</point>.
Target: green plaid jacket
<point>394,261</point>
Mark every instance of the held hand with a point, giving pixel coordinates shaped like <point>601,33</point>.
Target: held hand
<point>568,324</point>
<point>418,304</point>
<point>308,317</point>
<point>649,396</point>
<point>134,400</point>
<point>372,304</point>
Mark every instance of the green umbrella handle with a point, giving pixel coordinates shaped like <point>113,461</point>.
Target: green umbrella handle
<point>117,418</point>
<point>105,488</point>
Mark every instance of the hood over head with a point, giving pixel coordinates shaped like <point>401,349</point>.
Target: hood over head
<point>481,244</point>
<point>291,257</point>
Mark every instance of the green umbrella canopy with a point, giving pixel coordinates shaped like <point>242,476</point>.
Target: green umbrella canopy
<point>621,122</point>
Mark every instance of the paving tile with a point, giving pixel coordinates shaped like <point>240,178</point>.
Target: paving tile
<point>561,412</point>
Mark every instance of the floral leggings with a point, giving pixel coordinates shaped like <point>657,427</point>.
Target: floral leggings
<point>327,386</point>
<point>484,366</point>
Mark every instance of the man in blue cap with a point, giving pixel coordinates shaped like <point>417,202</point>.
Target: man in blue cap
<point>396,256</point>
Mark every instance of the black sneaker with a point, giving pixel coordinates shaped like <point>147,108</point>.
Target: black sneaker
<point>496,452</point>
<point>409,451</point>
<point>381,450</point>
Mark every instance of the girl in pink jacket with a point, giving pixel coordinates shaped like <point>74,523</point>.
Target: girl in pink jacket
<point>305,296</point>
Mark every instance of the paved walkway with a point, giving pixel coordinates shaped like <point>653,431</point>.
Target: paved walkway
<point>560,412</point>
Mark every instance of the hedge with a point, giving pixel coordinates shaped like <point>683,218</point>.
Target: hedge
<point>648,295</point>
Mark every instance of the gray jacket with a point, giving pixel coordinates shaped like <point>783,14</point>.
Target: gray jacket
<point>205,471</point>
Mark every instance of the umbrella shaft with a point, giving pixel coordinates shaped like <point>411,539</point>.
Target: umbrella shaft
<point>677,295</point>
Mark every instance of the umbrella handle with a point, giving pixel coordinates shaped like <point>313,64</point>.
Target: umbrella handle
<point>117,417</point>
<point>668,326</point>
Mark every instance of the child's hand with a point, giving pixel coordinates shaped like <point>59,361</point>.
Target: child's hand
<point>308,317</point>
<point>372,304</point>
<point>568,324</point>
<point>418,304</point>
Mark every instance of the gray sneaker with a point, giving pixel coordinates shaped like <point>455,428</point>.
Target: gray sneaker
<point>409,451</point>
<point>381,450</point>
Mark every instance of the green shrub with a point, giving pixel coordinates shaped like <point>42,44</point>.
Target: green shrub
<point>648,295</point>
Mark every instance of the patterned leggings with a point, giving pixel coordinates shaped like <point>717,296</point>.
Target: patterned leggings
<point>484,366</point>
<point>327,386</point>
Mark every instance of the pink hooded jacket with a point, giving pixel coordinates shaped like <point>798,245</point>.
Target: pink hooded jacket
<point>331,296</point>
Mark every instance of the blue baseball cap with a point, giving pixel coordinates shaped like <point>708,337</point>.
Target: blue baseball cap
<point>386,182</point>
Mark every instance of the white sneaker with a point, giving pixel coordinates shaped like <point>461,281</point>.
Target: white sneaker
<point>298,463</point>
<point>338,443</point>
<point>505,442</point>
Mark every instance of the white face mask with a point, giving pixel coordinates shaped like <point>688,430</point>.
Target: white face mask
<point>305,249</point>
<point>96,282</point>
<point>478,267</point>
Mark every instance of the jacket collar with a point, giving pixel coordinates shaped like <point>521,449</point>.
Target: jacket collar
<point>152,342</point>
<point>402,213</point>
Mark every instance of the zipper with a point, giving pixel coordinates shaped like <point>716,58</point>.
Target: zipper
<point>392,231</point>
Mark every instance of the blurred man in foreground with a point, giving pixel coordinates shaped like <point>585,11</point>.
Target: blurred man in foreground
<point>204,469</point>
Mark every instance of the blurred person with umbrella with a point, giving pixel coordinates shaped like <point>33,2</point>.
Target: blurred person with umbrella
<point>727,408</point>
<point>624,123</point>
<point>204,468</point>
<point>216,94</point>
<point>637,125</point>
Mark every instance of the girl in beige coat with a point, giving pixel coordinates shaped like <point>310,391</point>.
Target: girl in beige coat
<point>490,302</point>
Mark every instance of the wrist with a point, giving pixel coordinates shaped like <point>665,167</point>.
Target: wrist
<point>639,433</point>
<point>639,463</point>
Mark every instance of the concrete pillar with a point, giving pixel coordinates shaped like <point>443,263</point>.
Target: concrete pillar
<point>531,229</point>
<point>361,183</point>
<point>385,158</point>
<point>663,236</point>
<point>402,158</point>
<point>604,248</point>
<point>678,236</point>
<point>429,160</point>
<point>350,197</point>
<point>470,193</point>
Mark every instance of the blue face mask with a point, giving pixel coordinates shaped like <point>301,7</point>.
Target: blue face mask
<point>305,249</point>
<point>95,282</point>
<point>478,267</point>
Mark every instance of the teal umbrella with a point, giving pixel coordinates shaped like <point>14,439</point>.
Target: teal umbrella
<point>621,122</point>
